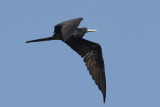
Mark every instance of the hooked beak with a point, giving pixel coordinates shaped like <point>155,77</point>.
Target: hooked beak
<point>92,30</point>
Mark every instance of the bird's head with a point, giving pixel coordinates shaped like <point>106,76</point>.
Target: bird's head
<point>80,32</point>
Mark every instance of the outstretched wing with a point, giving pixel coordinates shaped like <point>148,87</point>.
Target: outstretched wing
<point>92,54</point>
<point>67,28</point>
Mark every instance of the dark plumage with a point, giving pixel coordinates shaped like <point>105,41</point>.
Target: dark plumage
<point>91,52</point>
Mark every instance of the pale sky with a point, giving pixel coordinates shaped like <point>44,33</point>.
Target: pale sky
<point>51,74</point>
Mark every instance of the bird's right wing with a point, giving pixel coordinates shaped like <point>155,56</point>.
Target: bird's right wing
<point>92,54</point>
<point>68,27</point>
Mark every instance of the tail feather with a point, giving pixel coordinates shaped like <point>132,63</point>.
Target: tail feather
<point>42,39</point>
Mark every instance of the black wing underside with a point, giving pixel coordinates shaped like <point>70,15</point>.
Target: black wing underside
<point>92,54</point>
<point>67,28</point>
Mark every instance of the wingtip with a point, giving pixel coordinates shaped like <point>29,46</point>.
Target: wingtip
<point>81,18</point>
<point>104,98</point>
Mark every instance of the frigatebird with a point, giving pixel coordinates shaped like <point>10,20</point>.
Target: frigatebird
<point>69,33</point>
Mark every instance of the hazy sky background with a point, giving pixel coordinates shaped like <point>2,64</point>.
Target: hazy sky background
<point>50,74</point>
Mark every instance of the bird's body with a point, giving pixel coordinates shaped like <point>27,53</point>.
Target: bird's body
<point>91,52</point>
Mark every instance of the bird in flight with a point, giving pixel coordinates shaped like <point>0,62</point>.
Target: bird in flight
<point>91,52</point>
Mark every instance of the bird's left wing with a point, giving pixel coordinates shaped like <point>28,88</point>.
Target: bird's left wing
<point>68,27</point>
<point>92,54</point>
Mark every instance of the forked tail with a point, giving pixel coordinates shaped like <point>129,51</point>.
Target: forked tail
<point>42,39</point>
